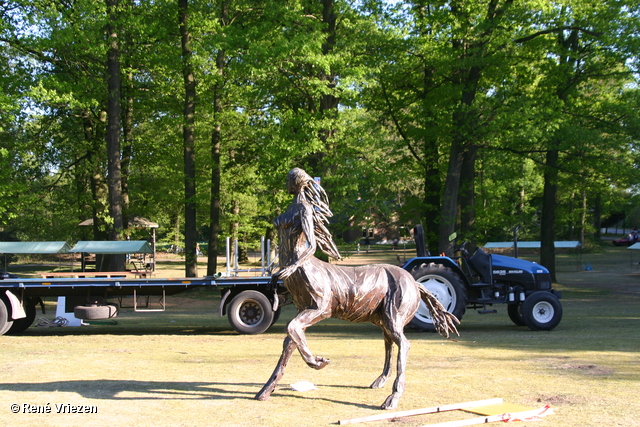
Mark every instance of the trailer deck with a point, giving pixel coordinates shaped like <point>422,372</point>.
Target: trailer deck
<point>251,303</point>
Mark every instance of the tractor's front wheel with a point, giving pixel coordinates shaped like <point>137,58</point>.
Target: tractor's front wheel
<point>541,311</point>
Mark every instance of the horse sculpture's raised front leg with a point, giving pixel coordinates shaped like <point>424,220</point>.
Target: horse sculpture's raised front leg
<point>296,328</point>
<point>295,339</point>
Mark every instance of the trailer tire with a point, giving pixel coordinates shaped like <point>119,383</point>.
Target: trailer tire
<point>5,319</point>
<point>446,286</point>
<point>20,325</point>
<point>541,311</point>
<point>250,312</point>
<point>515,314</point>
<point>95,311</point>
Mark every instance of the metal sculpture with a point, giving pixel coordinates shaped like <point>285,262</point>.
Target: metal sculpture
<point>385,295</point>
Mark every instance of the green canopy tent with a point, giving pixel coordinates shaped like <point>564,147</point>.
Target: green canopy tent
<point>34,247</point>
<point>48,248</point>
<point>122,247</point>
<point>136,222</point>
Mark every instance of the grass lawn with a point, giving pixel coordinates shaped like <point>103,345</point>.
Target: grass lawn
<point>187,367</point>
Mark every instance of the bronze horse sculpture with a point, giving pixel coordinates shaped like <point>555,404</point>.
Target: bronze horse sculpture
<point>385,295</point>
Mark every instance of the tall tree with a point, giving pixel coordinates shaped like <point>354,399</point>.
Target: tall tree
<point>437,85</point>
<point>113,131</point>
<point>584,59</point>
<point>216,143</point>
<point>188,129</point>
<point>474,45</point>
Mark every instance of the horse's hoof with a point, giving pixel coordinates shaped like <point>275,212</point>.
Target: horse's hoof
<point>321,362</point>
<point>379,382</point>
<point>262,396</point>
<point>391,402</point>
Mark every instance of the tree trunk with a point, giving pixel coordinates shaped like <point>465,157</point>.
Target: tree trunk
<point>571,224</point>
<point>113,133</point>
<point>464,120</point>
<point>214,215</point>
<point>188,133</point>
<point>467,197</point>
<point>97,183</point>
<point>583,217</point>
<point>431,204</point>
<point>216,142</point>
<point>597,217</point>
<point>449,209</point>
<point>127,149</point>
<point>548,217</point>
<point>328,105</point>
<point>233,231</point>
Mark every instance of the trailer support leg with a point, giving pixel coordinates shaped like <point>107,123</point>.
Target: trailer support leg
<point>140,310</point>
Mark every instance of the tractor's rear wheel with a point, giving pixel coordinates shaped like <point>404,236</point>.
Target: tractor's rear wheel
<point>446,286</point>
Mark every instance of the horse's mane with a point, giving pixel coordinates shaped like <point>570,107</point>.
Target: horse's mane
<point>312,193</point>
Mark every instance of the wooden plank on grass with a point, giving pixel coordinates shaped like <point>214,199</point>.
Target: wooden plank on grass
<point>501,408</point>
<point>432,410</point>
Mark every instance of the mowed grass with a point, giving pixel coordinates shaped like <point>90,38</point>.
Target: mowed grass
<point>187,367</point>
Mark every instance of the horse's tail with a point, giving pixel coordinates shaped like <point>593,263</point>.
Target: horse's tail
<point>444,322</point>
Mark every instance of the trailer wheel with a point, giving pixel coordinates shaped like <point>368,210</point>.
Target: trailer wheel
<point>541,311</point>
<point>250,312</point>
<point>5,321</point>
<point>20,325</point>
<point>446,286</point>
<point>515,314</point>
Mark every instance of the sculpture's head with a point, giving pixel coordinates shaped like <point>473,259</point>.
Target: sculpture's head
<point>306,190</point>
<point>296,180</point>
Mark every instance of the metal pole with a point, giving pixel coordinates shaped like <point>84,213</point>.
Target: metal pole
<point>269,260</point>
<point>262,254</point>
<point>227,258</point>
<point>153,243</point>
<point>236,265</point>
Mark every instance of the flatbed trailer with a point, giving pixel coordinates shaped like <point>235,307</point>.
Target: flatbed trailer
<point>252,304</point>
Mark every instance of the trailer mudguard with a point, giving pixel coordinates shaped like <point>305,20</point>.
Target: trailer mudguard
<point>17,311</point>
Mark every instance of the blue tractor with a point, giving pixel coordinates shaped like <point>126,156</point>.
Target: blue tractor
<point>482,280</point>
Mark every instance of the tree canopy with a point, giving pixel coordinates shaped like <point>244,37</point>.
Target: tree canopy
<point>468,116</point>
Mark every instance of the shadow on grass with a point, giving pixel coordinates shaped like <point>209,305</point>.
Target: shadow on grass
<point>169,390</point>
<point>125,330</point>
<point>137,390</point>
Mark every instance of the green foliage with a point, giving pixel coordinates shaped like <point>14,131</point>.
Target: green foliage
<point>372,106</point>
